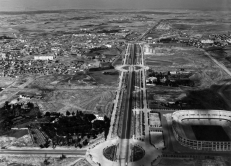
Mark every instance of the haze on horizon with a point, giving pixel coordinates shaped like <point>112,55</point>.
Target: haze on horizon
<point>30,5</point>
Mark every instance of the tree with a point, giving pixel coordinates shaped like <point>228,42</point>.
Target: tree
<point>39,114</point>
<point>46,162</point>
<point>62,157</point>
<point>6,105</point>
<point>73,113</point>
<point>46,145</point>
<point>54,144</point>
<point>47,114</point>
<point>94,136</point>
<point>85,142</point>
<point>91,117</point>
<point>30,105</point>
<point>68,113</point>
<point>35,139</point>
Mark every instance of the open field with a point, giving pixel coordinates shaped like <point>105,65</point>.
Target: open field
<point>22,141</point>
<point>97,100</point>
<point>36,160</point>
<point>190,59</point>
<point>208,98</point>
<point>6,81</point>
<point>211,89</point>
<point>151,62</point>
<point>118,62</point>
<point>190,24</point>
<point>157,139</point>
<point>55,81</point>
<point>18,133</point>
<point>176,162</point>
<point>82,162</point>
<point>107,52</point>
<point>102,79</point>
<point>191,161</point>
<point>222,56</point>
<point>73,81</point>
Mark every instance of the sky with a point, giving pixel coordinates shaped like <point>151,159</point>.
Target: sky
<point>25,5</point>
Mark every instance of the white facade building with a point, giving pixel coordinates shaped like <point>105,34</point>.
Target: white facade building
<point>45,57</point>
<point>3,55</point>
<point>201,117</point>
<point>148,50</point>
<point>207,41</point>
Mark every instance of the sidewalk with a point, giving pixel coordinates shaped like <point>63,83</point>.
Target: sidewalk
<point>95,156</point>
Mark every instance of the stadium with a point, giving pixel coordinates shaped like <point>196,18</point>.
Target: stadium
<point>208,130</point>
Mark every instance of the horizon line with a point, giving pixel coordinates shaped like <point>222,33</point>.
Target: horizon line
<point>56,10</point>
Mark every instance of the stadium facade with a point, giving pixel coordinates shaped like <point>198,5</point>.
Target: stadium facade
<point>211,117</point>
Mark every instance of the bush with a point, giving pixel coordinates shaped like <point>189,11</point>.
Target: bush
<point>47,114</point>
<point>68,113</point>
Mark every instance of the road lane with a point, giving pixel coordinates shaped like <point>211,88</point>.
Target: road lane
<point>126,130</point>
<point>54,152</point>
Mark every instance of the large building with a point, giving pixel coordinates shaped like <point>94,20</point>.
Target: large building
<point>208,41</point>
<point>44,57</point>
<point>207,130</point>
<point>148,50</point>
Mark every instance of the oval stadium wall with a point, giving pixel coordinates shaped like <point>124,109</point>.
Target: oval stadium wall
<point>221,117</point>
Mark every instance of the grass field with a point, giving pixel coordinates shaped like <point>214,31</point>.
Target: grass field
<point>6,81</point>
<point>102,79</point>
<point>151,62</point>
<point>157,139</point>
<point>37,160</point>
<point>118,62</point>
<point>18,133</point>
<point>176,162</point>
<point>209,91</point>
<point>188,58</point>
<point>55,81</point>
<point>96,100</point>
<point>80,79</point>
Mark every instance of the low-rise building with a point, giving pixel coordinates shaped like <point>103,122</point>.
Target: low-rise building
<point>44,57</point>
<point>148,49</point>
<point>208,41</point>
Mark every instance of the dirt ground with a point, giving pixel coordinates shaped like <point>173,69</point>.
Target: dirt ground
<point>211,89</point>
<point>82,162</point>
<point>23,141</point>
<point>190,59</point>
<point>96,100</point>
<point>18,133</point>
<point>176,162</point>
<point>6,81</point>
<point>35,160</point>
